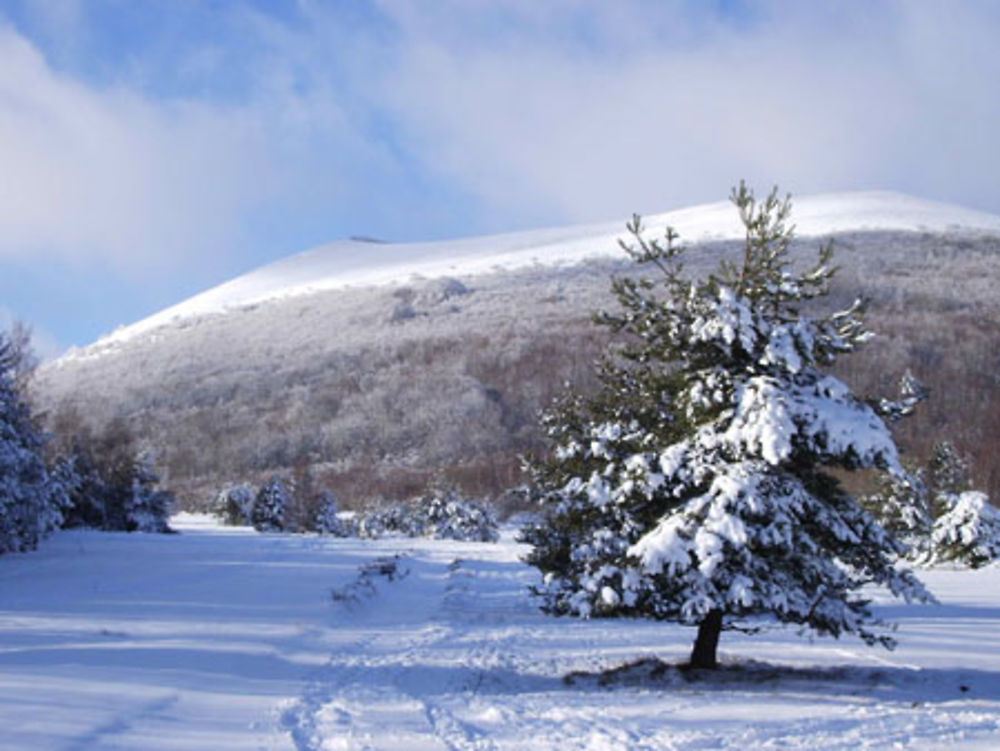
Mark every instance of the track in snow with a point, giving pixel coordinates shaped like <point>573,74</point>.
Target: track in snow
<point>461,661</point>
<point>219,639</point>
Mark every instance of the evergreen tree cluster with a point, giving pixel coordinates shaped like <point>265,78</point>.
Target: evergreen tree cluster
<point>698,485</point>
<point>281,505</point>
<point>444,515</point>
<point>111,484</point>
<point>937,514</point>
<point>32,499</point>
<point>441,514</point>
<point>72,479</point>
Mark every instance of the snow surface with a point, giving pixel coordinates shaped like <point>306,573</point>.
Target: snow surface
<point>362,263</point>
<point>222,638</point>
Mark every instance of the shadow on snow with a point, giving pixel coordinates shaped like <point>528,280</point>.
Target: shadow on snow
<point>886,683</point>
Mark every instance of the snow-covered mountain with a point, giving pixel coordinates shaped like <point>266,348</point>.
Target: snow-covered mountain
<point>382,364</point>
<point>356,262</point>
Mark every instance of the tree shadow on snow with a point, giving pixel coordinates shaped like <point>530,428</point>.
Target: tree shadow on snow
<point>885,683</point>
<point>902,612</point>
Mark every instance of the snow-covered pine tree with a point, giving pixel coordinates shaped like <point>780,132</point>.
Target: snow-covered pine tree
<point>694,486</point>
<point>328,521</point>
<point>234,504</point>
<point>86,488</point>
<point>966,527</point>
<point>948,475</point>
<point>31,500</point>
<point>147,508</point>
<point>268,512</point>
<point>132,501</point>
<point>968,531</point>
<point>902,506</point>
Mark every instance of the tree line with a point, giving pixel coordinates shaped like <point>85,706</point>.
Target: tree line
<point>81,480</point>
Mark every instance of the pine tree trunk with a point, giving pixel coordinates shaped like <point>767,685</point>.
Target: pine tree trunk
<point>705,645</point>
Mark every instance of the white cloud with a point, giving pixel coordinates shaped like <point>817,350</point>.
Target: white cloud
<point>107,175</point>
<point>118,177</point>
<point>646,115</point>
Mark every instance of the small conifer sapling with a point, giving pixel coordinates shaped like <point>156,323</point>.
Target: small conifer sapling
<point>268,512</point>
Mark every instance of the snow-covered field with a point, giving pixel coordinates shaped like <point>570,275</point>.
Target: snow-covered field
<point>226,639</point>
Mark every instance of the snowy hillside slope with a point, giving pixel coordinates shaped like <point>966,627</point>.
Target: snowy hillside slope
<point>221,638</point>
<point>364,263</point>
<point>381,366</point>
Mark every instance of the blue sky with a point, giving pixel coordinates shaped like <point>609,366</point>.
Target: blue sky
<point>153,149</point>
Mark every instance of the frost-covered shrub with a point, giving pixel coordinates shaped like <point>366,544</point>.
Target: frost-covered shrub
<point>111,482</point>
<point>437,291</point>
<point>402,311</point>
<point>940,521</point>
<point>391,568</point>
<point>234,505</point>
<point>121,497</point>
<point>968,531</point>
<point>268,512</point>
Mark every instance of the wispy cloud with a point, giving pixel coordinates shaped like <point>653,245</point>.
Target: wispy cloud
<point>564,110</point>
<point>112,174</point>
<point>638,113</point>
<point>108,175</point>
